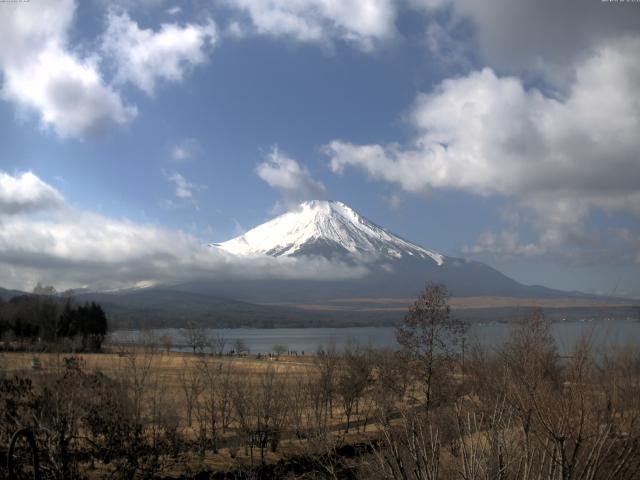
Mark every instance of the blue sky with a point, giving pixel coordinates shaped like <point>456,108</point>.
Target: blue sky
<point>437,119</point>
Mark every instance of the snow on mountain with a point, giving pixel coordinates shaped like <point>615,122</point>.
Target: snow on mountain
<point>325,228</point>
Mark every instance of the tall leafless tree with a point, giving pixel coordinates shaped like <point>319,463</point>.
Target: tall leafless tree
<point>428,335</point>
<point>190,379</point>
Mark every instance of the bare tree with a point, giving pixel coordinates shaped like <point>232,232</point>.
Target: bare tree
<point>191,384</point>
<point>138,373</point>
<point>261,410</point>
<point>162,424</point>
<point>279,350</point>
<point>410,449</point>
<point>218,343</point>
<point>225,406</point>
<point>327,362</point>
<point>195,337</point>
<point>315,406</point>
<point>240,346</point>
<point>428,335</point>
<point>485,443</point>
<point>166,342</point>
<point>353,378</point>
<point>538,416</point>
<point>213,403</point>
<point>392,380</point>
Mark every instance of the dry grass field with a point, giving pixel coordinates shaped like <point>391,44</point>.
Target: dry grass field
<point>516,411</point>
<point>173,389</point>
<point>165,371</point>
<point>167,365</point>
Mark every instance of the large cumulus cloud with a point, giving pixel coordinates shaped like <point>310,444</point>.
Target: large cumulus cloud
<point>558,157</point>
<point>42,74</point>
<point>68,87</point>
<point>543,37</point>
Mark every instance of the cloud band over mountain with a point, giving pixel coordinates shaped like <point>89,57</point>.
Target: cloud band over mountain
<point>43,238</point>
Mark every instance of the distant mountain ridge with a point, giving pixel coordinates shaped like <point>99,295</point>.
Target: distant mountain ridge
<point>165,308</point>
<point>6,294</point>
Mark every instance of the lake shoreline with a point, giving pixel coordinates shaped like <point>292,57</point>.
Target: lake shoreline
<point>602,332</point>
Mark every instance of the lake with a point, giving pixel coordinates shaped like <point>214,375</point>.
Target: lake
<point>604,334</point>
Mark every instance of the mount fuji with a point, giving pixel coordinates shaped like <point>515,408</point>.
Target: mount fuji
<point>334,231</point>
<point>328,229</point>
<point>394,271</point>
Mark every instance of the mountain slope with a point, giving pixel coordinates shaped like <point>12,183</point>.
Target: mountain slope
<point>325,228</point>
<point>6,294</point>
<point>333,230</point>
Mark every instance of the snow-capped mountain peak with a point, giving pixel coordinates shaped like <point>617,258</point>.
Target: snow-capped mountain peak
<point>325,228</point>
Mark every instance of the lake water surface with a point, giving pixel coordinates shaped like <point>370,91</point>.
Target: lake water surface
<point>604,334</point>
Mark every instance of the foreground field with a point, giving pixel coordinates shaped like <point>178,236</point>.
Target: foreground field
<point>230,413</point>
<point>170,373</point>
<point>515,411</point>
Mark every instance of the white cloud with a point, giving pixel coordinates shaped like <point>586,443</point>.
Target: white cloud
<point>505,245</point>
<point>26,193</point>
<point>143,6</point>
<point>143,56</point>
<point>286,175</point>
<point>68,247</point>
<point>236,30</point>
<point>187,149</point>
<point>360,22</point>
<point>40,74</point>
<point>69,94</point>
<point>182,188</point>
<point>546,35</point>
<point>560,238</point>
<point>560,158</point>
